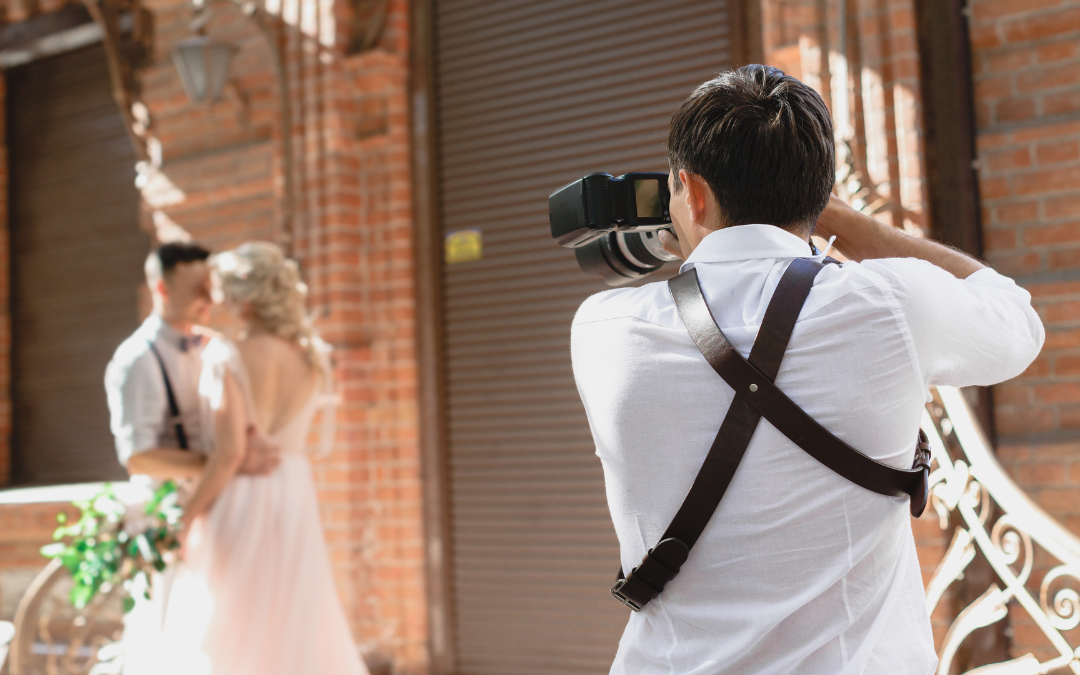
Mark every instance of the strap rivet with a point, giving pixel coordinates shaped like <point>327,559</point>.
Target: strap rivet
<point>753,387</point>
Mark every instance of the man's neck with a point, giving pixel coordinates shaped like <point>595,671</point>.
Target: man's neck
<point>182,327</point>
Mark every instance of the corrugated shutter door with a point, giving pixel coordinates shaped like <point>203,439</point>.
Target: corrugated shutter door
<point>532,95</point>
<point>77,255</point>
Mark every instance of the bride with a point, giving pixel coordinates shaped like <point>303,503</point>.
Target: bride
<point>254,594</point>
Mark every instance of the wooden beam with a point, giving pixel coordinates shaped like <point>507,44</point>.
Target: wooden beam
<point>949,123</point>
<point>428,262</point>
<point>746,39</point>
<point>24,34</point>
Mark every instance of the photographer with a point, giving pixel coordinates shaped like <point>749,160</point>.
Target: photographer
<point>799,570</point>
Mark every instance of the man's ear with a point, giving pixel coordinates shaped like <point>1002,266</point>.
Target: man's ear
<point>695,192</point>
<point>161,288</point>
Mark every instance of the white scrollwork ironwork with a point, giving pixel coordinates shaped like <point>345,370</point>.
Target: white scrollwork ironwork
<point>1000,522</point>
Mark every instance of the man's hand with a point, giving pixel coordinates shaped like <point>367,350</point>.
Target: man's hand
<point>669,241</point>
<point>166,464</point>
<point>261,456</point>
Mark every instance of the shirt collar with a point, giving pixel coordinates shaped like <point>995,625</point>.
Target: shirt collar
<point>747,242</point>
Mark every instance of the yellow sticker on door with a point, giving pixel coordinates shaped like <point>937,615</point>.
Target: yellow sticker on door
<point>464,246</point>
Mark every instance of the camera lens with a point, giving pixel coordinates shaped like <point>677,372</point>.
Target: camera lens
<point>623,257</point>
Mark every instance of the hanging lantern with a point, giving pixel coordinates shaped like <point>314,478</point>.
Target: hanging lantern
<point>203,64</point>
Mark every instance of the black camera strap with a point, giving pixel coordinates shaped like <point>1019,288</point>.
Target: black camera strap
<point>174,409</point>
<point>755,397</point>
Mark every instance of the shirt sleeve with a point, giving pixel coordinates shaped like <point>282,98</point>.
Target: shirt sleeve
<point>137,404</point>
<point>975,331</point>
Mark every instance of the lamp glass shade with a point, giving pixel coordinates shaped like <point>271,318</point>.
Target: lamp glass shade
<point>203,65</point>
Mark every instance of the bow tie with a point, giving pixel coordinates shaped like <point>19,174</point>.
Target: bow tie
<point>190,341</point>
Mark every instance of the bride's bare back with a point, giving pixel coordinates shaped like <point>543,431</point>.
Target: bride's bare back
<point>282,381</point>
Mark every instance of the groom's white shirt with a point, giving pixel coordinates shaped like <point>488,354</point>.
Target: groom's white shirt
<point>138,403</point>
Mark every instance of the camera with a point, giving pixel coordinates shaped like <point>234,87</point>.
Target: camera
<point>613,223</point>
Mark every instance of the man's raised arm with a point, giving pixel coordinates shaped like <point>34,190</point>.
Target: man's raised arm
<point>860,237</point>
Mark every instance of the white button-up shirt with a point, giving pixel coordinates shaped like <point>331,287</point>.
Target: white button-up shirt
<point>799,570</point>
<point>135,389</point>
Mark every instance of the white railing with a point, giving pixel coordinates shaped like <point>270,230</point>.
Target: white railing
<point>1001,523</point>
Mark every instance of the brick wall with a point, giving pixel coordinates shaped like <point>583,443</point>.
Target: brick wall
<point>1026,62</point>
<point>221,182</point>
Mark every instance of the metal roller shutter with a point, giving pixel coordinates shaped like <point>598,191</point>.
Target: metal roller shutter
<point>76,254</point>
<point>531,96</point>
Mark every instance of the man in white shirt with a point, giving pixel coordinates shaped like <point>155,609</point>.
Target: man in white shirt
<point>149,440</point>
<point>799,570</point>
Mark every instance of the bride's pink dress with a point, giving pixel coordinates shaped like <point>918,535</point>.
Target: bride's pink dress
<point>255,595</point>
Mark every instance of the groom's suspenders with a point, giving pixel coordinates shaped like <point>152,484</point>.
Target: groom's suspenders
<point>174,410</point>
<point>755,397</point>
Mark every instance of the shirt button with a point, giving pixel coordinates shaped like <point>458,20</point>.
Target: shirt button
<point>753,387</point>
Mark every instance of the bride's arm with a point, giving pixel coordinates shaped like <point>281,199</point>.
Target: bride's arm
<point>230,440</point>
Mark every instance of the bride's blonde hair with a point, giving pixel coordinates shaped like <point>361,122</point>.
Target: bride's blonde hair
<point>258,274</point>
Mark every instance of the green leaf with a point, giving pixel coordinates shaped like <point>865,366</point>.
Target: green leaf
<point>81,596</point>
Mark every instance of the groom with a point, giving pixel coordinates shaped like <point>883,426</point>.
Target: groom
<point>152,382</point>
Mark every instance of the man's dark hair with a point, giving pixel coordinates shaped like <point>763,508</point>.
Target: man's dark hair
<point>763,141</point>
<point>166,257</point>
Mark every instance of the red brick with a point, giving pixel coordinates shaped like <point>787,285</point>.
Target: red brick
<point>1043,473</point>
<point>1057,51</point>
<point>997,9</point>
<point>1012,393</point>
<point>1015,265</point>
<point>1055,180</point>
<point>1013,453</point>
<point>997,240</point>
<point>993,87</point>
<point>1062,259</point>
<point>1051,153</point>
<point>1063,392</point>
<point>985,36</point>
<point>1014,110</point>
<point>1059,501</point>
<point>1052,234</point>
<point>1043,131</point>
<point>1051,77</point>
<point>1061,338</point>
<point>1022,421</point>
<point>1006,61</point>
<point>1008,159</point>
<point>1069,419</point>
<point>1061,312</point>
<point>1017,212</point>
<point>1054,291</point>
<point>1064,206</point>
<point>993,188</point>
<point>1065,102</point>
<point>1067,365</point>
<point>1043,25</point>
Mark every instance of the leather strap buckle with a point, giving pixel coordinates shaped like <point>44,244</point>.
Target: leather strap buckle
<point>616,592</point>
<point>659,566</point>
<point>921,494</point>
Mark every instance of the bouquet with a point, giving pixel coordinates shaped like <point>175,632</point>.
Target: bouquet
<point>113,543</point>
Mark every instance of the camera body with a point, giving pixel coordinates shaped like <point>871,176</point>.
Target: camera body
<point>613,223</point>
